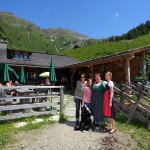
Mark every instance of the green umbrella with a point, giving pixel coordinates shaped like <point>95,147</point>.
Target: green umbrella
<point>52,76</point>
<point>6,73</point>
<point>22,79</point>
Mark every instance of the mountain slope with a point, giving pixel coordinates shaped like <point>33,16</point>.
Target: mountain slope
<point>23,35</point>
<point>102,49</point>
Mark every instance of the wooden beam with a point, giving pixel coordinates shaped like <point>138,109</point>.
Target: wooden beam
<point>92,72</point>
<point>24,115</point>
<point>73,70</point>
<point>119,63</point>
<point>102,60</point>
<point>28,106</point>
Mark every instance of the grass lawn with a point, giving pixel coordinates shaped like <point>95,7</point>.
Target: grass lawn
<point>7,129</point>
<point>137,130</point>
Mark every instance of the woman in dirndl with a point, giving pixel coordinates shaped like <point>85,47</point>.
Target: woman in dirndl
<point>98,90</point>
<point>108,104</point>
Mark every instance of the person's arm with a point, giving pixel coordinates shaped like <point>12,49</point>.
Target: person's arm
<point>75,92</point>
<point>83,99</point>
<point>111,94</point>
<point>104,83</point>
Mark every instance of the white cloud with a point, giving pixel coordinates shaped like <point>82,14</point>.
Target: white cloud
<point>47,10</point>
<point>116,14</point>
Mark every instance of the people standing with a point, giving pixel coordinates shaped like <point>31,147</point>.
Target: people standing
<point>87,94</point>
<point>108,108</point>
<point>79,91</point>
<point>98,90</point>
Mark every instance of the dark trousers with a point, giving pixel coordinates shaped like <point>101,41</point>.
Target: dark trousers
<point>78,106</point>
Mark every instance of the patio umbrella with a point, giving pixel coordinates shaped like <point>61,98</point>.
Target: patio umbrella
<point>22,79</point>
<point>44,74</point>
<point>6,73</point>
<point>52,76</point>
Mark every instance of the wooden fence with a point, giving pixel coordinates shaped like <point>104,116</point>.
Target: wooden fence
<point>133,102</point>
<point>30,101</point>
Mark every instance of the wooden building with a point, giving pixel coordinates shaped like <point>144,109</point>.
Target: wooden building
<point>125,66</point>
<point>34,64</point>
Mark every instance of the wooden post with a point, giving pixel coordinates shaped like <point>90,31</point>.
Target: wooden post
<point>92,73</point>
<point>61,99</point>
<point>73,70</point>
<point>143,64</point>
<point>127,70</point>
<point>148,126</point>
<point>121,96</point>
<point>138,101</point>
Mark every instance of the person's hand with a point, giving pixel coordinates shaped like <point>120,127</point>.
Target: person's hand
<point>82,105</point>
<point>110,104</point>
<point>74,99</point>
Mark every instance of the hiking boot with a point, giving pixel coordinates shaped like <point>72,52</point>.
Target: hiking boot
<point>77,122</point>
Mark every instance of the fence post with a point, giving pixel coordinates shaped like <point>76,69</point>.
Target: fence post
<point>61,99</point>
<point>121,96</point>
<point>138,101</point>
<point>148,126</point>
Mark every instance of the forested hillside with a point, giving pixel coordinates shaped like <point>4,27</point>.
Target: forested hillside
<point>23,35</point>
<point>140,30</point>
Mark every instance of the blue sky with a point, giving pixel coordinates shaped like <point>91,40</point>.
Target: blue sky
<point>94,18</point>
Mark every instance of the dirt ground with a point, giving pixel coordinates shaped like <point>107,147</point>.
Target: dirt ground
<point>63,137</point>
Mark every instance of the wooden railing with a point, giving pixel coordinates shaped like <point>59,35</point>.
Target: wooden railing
<point>133,102</point>
<point>31,101</point>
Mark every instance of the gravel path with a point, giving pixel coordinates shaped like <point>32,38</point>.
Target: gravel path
<point>63,137</point>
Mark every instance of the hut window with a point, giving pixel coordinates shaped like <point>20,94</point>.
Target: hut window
<point>21,56</point>
<point>26,57</point>
<point>16,55</point>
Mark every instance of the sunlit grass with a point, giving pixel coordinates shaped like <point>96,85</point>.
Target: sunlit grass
<point>7,128</point>
<point>137,130</point>
<point>103,49</point>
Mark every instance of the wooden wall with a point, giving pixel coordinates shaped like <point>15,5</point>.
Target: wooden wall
<point>118,71</point>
